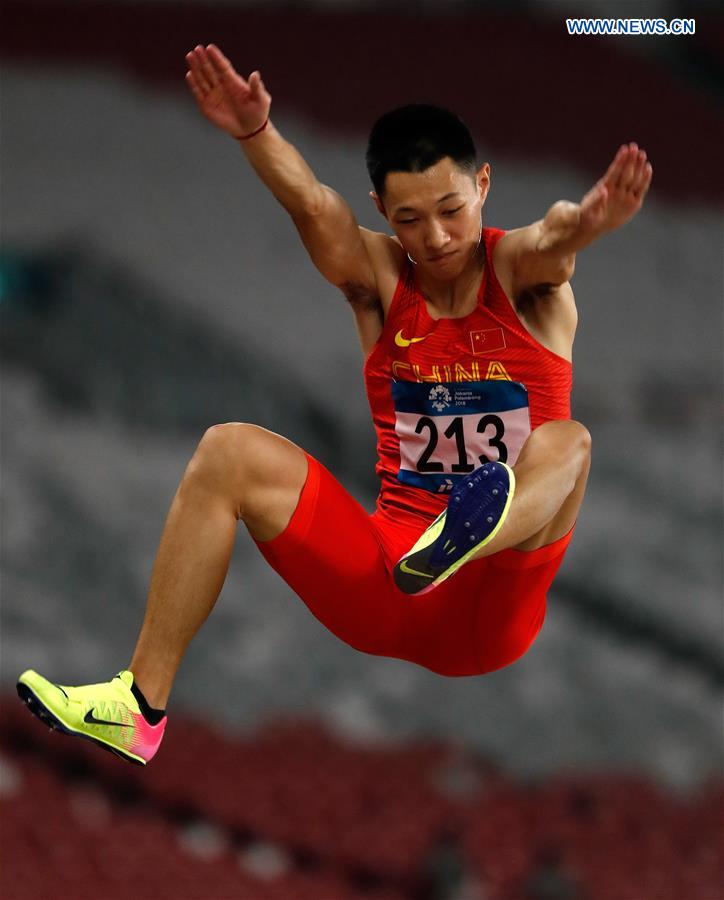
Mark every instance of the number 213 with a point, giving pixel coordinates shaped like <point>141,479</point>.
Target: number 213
<point>455,429</point>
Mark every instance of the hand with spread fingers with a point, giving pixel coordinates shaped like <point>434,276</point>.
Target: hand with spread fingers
<point>237,106</point>
<point>618,196</point>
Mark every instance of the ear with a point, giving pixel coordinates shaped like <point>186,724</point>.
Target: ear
<point>482,179</point>
<point>379,204</point>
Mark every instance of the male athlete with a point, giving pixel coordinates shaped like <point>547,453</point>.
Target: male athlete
<point>467,334</point>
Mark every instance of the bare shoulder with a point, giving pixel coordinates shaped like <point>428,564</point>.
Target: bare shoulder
<point>508,250</point>
<point>387,258</point>
<point>371,302</point>
<point>548,311</point>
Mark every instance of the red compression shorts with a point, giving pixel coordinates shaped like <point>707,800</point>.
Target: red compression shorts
<point>339,560</point>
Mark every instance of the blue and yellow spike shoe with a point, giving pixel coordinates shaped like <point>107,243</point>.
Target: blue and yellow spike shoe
<point>107,714</point>
<point>476,510</point>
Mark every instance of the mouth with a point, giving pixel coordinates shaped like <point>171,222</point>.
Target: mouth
<point>441,257</point>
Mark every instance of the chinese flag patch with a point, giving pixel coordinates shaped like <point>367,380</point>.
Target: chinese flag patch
<point>487,341</point>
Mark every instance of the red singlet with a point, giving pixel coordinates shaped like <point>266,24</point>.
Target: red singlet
<point>448,394</point>
<point>445,396</point>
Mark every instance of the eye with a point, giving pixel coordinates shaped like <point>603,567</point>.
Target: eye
<point>451,212</point>
<point>406,221</point>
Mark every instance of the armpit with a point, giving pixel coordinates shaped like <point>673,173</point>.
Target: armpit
<point>361,298</point>
<point>525,300</point>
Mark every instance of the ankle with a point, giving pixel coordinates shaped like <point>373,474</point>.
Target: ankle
<point>153,693</point>
<point>152,711</point>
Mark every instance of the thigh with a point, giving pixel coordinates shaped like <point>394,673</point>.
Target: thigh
<point>257,473</point>
<point>578,455</point>
<point>330,556</point>
<point>564,520</point>
<point>275,473</point>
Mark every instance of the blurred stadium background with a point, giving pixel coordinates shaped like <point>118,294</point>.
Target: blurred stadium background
<point>149,288</point>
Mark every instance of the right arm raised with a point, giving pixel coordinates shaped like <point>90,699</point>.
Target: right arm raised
<point>341,251</point>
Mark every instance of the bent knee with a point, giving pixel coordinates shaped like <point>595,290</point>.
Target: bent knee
<point>575,434</point>
<point>226,438</point>
<point>582,438</point>
<point>255,469</point>
<point>221,449</point>
<point>229,453</point>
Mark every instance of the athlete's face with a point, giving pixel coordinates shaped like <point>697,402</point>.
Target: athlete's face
<point>436,215</point>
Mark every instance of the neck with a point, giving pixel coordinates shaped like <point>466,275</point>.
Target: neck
<point>454,298</point>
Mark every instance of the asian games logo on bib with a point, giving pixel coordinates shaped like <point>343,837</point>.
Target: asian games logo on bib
<point>440,397</point>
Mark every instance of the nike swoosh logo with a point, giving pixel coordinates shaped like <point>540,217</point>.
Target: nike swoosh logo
<point>408,571</point>
<point>403,342</point>
<point>91,720</point>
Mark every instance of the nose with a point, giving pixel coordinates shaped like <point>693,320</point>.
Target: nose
<point>436,237</point>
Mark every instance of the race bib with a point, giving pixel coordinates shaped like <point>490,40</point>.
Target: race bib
<point>449,429</point>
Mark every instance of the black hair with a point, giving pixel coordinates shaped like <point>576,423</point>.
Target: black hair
<point>412,138</point>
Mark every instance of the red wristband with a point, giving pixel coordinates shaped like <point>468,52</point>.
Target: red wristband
<point>245,137</point>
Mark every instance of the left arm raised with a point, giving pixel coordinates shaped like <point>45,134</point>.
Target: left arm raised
<point>544,253</point>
